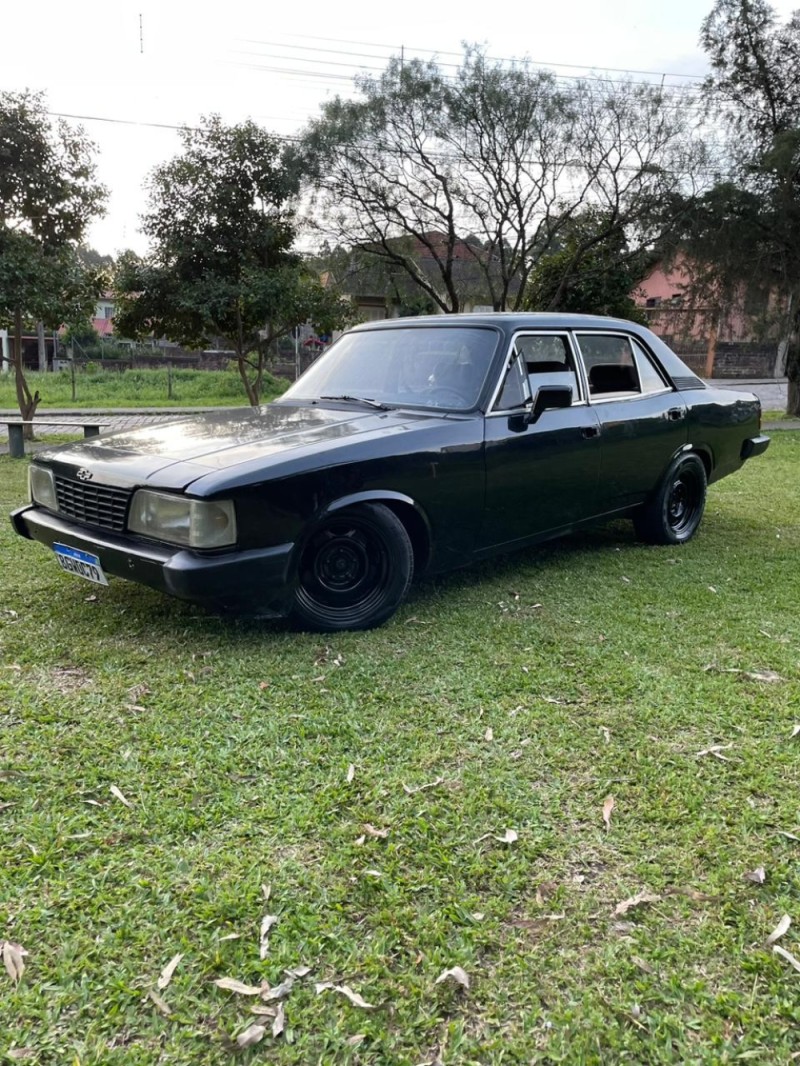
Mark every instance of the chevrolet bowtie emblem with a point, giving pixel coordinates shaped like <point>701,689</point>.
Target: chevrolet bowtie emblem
<point>84,474</point>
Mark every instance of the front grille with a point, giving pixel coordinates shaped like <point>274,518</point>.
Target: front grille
<point>93,505</point>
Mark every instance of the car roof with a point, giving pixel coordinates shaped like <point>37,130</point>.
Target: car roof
<point>508,320</point>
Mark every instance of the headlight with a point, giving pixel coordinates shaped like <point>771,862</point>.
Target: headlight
<point>42,486</point>
<point>195,523</point>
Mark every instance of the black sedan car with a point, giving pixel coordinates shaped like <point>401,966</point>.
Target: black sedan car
<point>410,446</point>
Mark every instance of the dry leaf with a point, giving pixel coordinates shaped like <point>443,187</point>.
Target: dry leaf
<point>608,807</point>
<point>358,1038</point>
<point>372,873</point>
<point>757,876</point>
<point>266,892</point>
<point>455,973</point>
<point>795,731</point>
<point>409,791</point>
<point>280,1020</point>
<point>789,836</point>
<point>269,995</point>
<point>230,984</point>
<point>13,960</point>
<point>360,840</point>
<point>636,901</point>
<point>231,936</point>
<point>509,837</point>
<point>161,1005</point>
<point>780,929</point>
<point>715,750</point>
<point>267,923</point>
<point>784,954</point>
<point>380,834</point>
<point>346,991</point>
<point>606,733</point>
<point>19,1054</point>
<point>351,773</point>
<point>298,971</point>
<point>166,974</point>
<point>645,966</point>
<point>118,794</point>
<point>251,1036</point>
<point>545,890</point>
<point>489,734</point>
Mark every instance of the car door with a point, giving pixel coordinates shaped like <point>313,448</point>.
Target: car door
<point>541,476</point>
<point>642,418</point>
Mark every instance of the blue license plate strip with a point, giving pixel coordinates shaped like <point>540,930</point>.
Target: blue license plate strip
<point>81,564</point>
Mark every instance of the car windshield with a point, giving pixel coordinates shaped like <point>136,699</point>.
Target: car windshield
<point>417,366</point>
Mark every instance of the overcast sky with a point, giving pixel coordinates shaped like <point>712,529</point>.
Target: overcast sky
<point>276,63</point>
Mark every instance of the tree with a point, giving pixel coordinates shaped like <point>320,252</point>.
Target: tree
<point>504,153</point>
<point>221,225</point>
<point>48,196</point>
<point>587,278</point>
<point>755,87</point>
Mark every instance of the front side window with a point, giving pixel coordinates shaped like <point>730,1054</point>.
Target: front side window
<point>539,359</point>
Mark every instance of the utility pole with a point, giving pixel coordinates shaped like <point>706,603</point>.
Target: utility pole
<point>4,358</point>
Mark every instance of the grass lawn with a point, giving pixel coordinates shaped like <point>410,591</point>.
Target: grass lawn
<point>370,781</point>
<point>138,388</point>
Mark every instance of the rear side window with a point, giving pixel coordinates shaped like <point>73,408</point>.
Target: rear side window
<point>618,366</point>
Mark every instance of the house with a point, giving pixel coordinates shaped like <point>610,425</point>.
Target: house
<point>725,337</point>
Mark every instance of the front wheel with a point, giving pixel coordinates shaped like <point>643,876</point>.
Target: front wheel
<point>674,512</point>
<point>355,570</point>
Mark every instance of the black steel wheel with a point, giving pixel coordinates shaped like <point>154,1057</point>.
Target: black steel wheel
<point>673,514</point>
<point>355,570</point>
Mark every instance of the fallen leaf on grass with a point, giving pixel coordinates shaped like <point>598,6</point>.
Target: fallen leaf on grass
<point>784,954</point>
<point>606,733</point>
<point>166,974</point>
<point>757,876</point>
<point>230,984</point>
<point>298,971</point>
<point>371,831</point>
<point>118,795</point>
<point>608,807</point>
<point>767,676</point>
<point>251,1036</point>
<point>644,966</point>
<point>269,995</point>
<point>545,890</point>
<point>230,936</point>
<point>267,923</point>
<point>780,929</point>
<point>263,1012</point>
<point>19,1054</point>
<point>280,1020</point>
<point>455,973</point>
<point>789,836</point>
<point>14,960</point>
<point>795,731</point>
<point>716,750</point>
<point>354,1041</point>
<point>351,773</point>
<point>410,791</point>
<point>509,837</point>
<point>489,734</point>
<point>346,991</point>
<point>161,1005</point>
<point>636,901</point>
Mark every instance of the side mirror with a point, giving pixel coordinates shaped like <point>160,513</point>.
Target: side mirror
<point>549,398</point>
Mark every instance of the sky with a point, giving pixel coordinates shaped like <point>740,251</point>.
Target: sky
<point>277,63</point>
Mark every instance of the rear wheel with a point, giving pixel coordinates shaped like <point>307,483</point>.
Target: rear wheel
<point>673,514</point>
<point>355,570</point>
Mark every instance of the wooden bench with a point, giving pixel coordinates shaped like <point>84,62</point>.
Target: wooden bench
<point>16,439</point>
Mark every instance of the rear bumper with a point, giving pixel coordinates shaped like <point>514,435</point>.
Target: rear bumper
<point>251,582</point>
<point>754,446</point>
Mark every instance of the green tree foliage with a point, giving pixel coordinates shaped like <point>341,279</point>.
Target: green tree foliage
<point>221,225</point>
<point>591,273</point>
<point>504,153</point>
<point>48,196</point>
<point>755,87</point>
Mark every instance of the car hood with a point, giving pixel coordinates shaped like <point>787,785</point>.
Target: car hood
<point>177,453</point>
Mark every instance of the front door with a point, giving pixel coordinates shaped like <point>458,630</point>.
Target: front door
<point>540,476</point>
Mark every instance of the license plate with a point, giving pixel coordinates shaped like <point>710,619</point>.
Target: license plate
<point>82,564</point>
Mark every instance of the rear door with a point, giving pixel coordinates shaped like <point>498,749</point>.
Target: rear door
<point>642,418</point>
<point>540,476</point>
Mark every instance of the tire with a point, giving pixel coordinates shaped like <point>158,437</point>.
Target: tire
<point>674,512</point>
<point>355,570</point>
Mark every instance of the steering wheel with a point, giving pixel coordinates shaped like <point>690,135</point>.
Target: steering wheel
<point>447,396</point>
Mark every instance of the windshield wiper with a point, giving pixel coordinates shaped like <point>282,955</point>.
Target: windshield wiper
<point>359,399</point>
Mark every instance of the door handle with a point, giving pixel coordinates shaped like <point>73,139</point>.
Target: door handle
<point>590,431</point>
<point>675,414</point>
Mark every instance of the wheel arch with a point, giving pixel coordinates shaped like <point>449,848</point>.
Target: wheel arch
<point>404,507</point>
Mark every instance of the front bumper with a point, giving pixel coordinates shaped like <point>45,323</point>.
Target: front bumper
<point>250,582</point>
<point>754,446</point>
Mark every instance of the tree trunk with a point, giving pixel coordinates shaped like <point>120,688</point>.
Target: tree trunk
<point>42,347</point>
<point>27,403</point>
<point>793,374</point>
<point>781,360</point>
<point>711,351</point>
